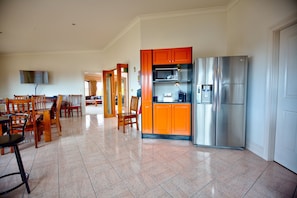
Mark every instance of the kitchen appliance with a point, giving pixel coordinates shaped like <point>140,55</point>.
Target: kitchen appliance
<point>219,101</point>
<point>167,97</point>
<point>182,96</point>
<point>165,74</point>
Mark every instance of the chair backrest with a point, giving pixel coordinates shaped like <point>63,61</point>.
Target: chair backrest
<point>75,100</point>
<point>40,102</point>
<point>18,122</point>
<point>23,106</point>
<point>134,104</point>
<point>21,97</point>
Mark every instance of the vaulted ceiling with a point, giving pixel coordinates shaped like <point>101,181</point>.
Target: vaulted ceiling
<point>75,25</point>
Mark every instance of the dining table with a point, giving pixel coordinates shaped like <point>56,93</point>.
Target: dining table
<point>47,123</point>
<point>3,120</point>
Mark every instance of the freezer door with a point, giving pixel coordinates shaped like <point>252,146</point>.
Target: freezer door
<point>231,101</point>
<point>204,117</point>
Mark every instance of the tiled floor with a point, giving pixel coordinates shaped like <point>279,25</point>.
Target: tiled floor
<point>94,159</point>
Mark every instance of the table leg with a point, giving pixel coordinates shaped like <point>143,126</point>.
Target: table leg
<point>47,126</point>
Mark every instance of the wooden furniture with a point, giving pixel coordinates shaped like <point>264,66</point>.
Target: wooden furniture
<point>146,91</point>
<point>93,100</point>
<point>12,140</point>
<point>21,97</point>
<point>54,120</point>
<point>163,120</point>
<point>131,117</point>
<point>172,56</point>
<point>172,119</point>
<point>64,106</point>
<point>4,124</point>
<point>75,103</point>
<point>40,101</point>
<point>14,106</point>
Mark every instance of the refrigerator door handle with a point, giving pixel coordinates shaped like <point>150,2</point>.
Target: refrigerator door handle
<point>219,87</point>
<point>215,90</point>
<point>198,94</point>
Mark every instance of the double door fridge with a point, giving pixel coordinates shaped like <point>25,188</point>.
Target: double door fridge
<point>219,101</point>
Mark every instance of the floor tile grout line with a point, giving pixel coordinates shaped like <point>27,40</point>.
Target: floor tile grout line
<point>295,192</point>
<point>59,164</point>
<point>89,177</point>
<point>254,183</point>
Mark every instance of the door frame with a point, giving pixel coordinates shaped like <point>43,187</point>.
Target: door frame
<point>119,86</point>
<point>116,90</point>
<point>112,92</point>
<point>271,85</point>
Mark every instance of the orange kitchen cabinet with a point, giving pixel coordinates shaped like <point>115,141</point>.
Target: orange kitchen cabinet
<point>172,119</point>
<point>146,91</point>
<point>181,119</point>
<point>172,56</point>
<point>162,119</point>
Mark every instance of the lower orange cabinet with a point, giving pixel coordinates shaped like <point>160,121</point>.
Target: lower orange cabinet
<point>162,119</point>
<point>181,119</point>
<point>172,119</point>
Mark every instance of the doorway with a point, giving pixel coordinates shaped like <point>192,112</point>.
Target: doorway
<point>93,90</point>
<point>286,115</point>
<point>115,90</point>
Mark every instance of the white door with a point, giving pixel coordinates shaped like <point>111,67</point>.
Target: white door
<point>286,124</point>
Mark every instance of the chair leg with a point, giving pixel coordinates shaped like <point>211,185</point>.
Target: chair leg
<point>36,134</point>
<point>58,124</point>
<point>137,123</point>
<point>21,167</point>
<point>124,124</point>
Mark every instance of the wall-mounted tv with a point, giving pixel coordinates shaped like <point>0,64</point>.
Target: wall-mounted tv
<point>34,77</point>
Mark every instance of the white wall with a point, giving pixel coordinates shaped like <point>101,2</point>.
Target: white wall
<point>204,30</point>
<point>250,26</point>
<point>126,50</point>
<point>66,72</point>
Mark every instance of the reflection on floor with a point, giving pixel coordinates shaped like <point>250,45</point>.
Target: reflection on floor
<point>94,109</point>
<point>93,159</point>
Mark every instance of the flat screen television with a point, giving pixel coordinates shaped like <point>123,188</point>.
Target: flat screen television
<point>34,77</point>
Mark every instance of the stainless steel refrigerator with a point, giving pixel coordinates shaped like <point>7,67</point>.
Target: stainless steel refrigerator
<point>219,101</point>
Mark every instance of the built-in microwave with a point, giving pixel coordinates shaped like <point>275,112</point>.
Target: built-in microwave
<point>162,74</point>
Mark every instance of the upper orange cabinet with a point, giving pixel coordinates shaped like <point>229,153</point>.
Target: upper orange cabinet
<point>172,56</point>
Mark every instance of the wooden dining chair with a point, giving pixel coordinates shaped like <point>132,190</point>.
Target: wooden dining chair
<point>55,118</point>
<point>131,117</point>
<point>75,103</point>
<point>40,102</point>
<point>26,106</point>
<point>21,97</point>
<point>64,106</point>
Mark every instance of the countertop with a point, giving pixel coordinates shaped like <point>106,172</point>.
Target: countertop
<point>174,102</point>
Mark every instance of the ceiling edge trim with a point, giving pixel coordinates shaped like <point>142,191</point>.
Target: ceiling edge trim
<point>184,13</point>
<point>122,33</point>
